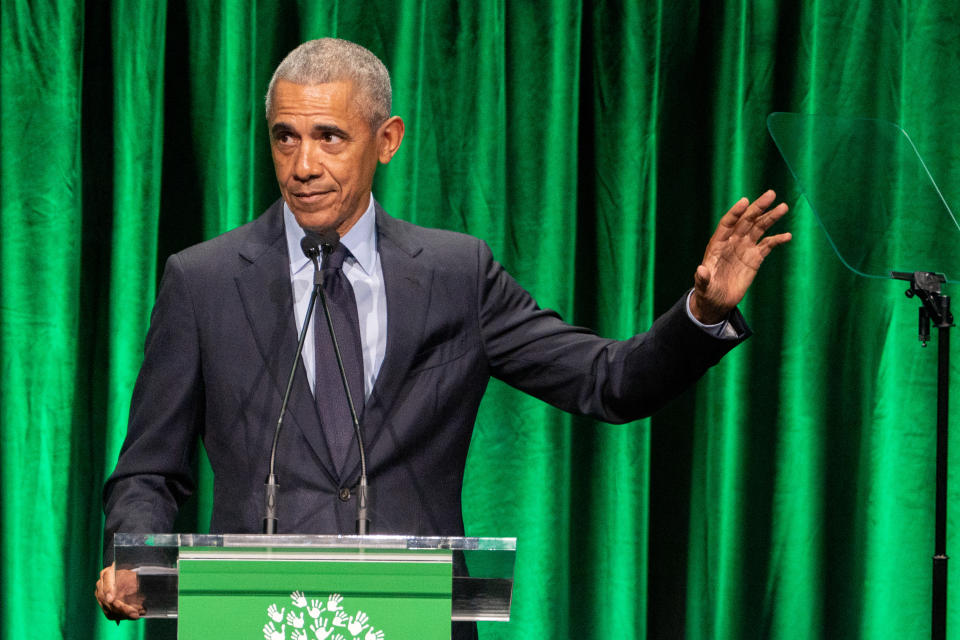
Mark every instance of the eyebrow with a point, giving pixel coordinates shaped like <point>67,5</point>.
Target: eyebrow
<point>283,127</point>
<point>280,127</point>
<point>331,129</point>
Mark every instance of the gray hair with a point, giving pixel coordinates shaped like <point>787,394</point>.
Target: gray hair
<point>333,60</point>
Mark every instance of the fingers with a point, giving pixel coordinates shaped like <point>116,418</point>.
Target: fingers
<point>701,279</point>
<point>105,590</point>
<point>763,221</point>
<point>758,207</point>
<point>729,221</point>
<point>751,209</point>
<point>112,604</point>
<point>106,581</point>
<point>769,243</point>
<point>748,219</point>
<point>733,214</point>
<point>753,220</point>
<point>119,610</point>
<point>764,201</point>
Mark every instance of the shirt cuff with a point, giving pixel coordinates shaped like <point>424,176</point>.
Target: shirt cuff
<point>718,330</point>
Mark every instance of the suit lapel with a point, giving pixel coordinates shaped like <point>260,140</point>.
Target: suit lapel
<point>265,291</point>
<point>407,282</point>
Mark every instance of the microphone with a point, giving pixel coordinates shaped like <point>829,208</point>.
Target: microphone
<point>329,241</point>
<point>312,244</point>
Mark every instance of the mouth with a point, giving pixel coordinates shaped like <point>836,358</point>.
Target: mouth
<point>311,196</point>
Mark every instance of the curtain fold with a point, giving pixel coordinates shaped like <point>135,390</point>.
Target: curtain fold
<point>593,146</point>
<point>41,190</point>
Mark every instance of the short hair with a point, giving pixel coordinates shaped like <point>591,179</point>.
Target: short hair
<point>333,60</point>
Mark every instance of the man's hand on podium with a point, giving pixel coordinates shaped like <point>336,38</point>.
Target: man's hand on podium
<point>118,595</point>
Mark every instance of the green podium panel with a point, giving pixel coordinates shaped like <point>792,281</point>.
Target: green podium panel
<point>314,594</point>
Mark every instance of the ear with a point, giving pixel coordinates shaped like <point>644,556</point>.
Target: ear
<point>389,137</point>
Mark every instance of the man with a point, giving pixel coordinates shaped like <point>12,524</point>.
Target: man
<point>436,317</point>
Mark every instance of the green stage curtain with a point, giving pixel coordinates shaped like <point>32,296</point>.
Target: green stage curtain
<point>594,146</point>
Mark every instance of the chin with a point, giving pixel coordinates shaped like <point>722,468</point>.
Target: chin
<point>317,221</point>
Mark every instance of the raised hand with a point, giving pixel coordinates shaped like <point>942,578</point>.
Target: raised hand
<point>339,636</point>
<point>357,623</point>
<point>373,636</point>
<point>315,608</point>
<point>298,599</point>
<point>299,634</point>
<point>295,621</point>
<point>333,602</point>
<point>322,632</point>
<point>733,256</point>
<point>276,616</point>
<point>340,620</point>
<point>270,632</point>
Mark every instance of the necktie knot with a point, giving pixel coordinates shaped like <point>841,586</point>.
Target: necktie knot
<point>335,259</point>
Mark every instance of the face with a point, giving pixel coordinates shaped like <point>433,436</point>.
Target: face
<point>325,153</point>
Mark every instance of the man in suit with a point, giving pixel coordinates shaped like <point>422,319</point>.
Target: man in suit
<point>436,316</point>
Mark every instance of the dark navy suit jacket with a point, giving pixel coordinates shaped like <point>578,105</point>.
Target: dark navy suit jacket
<point>222,339</point>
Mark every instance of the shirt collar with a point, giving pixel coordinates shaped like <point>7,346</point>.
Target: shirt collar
<point>360,240</point>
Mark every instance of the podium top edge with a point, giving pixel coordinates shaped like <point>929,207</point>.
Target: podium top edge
<point>303,540</point>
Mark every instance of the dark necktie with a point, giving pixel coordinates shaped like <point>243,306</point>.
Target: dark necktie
<point>331,400</point>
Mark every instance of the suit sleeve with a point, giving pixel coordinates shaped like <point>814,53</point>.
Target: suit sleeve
<point>576,370</point>
<point>154,471</point>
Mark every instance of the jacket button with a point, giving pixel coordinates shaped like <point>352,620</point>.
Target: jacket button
<point>344,493</point>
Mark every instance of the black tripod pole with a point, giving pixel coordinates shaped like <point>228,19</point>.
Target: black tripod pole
<point>935,308</point>
<point>939,622</point>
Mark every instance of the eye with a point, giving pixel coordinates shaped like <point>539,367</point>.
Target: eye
<point>330,137</point>
<point>285,138</point>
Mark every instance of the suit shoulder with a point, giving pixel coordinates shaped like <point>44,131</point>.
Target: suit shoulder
<point>439,243</point>
<point>230,241</point>
<point>251,239</point>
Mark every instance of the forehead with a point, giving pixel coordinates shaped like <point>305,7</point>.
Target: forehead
<point>329,100</point>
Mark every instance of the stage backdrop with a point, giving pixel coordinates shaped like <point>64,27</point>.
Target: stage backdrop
<point>593,146</point>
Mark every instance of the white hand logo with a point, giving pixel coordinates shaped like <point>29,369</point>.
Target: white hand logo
<point>276,616</point>
<point>333,602</point>
<point>296,621</point>
<point>315,608</point>
<point>298,599</point>
<point>270,632</point>
<point>321,632</point>
<point>357,623</point>
<point>334,626</point>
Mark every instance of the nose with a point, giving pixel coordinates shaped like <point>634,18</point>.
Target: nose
<point>309,162</point>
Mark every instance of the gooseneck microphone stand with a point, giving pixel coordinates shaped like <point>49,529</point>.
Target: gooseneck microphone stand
<point>935,308</point>
<point>363,522</point>
<point>311,247</point>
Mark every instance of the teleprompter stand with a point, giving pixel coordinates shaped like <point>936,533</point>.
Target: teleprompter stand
<point>881,208</point>
<point>935,309</point>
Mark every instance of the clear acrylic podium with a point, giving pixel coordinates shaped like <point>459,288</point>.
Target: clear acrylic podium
<point>303,587</point>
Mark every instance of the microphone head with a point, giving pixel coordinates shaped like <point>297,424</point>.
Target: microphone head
<point>316,241</point>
